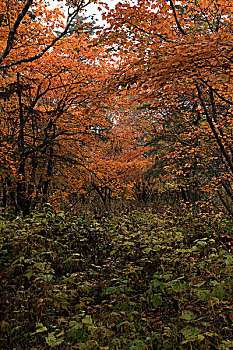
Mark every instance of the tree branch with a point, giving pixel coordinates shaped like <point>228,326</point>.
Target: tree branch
<point>39,55</point>
<point>215,133</point>
<point>13,31</point>
<point>183,32</point>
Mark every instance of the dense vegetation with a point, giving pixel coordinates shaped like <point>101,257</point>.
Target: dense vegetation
<point>130,280</point>
<point>116,175</point>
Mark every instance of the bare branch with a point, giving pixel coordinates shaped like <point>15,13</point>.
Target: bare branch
<point>215,133</point>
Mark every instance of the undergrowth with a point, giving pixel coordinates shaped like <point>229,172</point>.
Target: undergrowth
<point>130,281</point>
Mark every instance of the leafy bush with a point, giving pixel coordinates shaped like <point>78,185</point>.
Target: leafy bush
<point>130,281</point>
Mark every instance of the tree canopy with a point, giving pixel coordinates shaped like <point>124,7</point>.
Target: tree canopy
<point>102,112</point>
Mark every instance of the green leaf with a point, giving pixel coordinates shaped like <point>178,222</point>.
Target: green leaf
<point>157,283</point>
<point>190,333</point>
<point>210,334</point>
<point>156,300</point>
<point>137,345</point>
<point>177,286</point>
<point>40,328</point>
<point>188,315</point>
<point>200,337</point>
<point>47,277</point>
<point>201,242</point>
<point>203,294</point>
<point>52,341</point>
<point>226,344</point>
<point>87,320</point>
<point>29,273</point>
<point>75,325</point>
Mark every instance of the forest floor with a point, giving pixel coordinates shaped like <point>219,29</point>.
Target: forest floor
<point>134,280</point>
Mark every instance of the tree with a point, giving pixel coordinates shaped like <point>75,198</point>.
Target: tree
<point>122,160</point>
<point>48,84</point>
<point>178,60</point>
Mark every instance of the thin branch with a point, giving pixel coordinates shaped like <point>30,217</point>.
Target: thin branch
<point>215,133</point>
<point>226,206</point>
<point>13,31</point>
<point>144,31</point>
<point>183,32</point>
<point>216,92</point>
<point>224,137</point>
<point>39,55</point>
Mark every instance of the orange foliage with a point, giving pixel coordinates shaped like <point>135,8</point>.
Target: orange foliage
<point>77,111</point>
<point>59,133</point>
<point>177,64</point>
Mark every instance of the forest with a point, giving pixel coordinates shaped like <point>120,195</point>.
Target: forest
<point>116,175</point>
